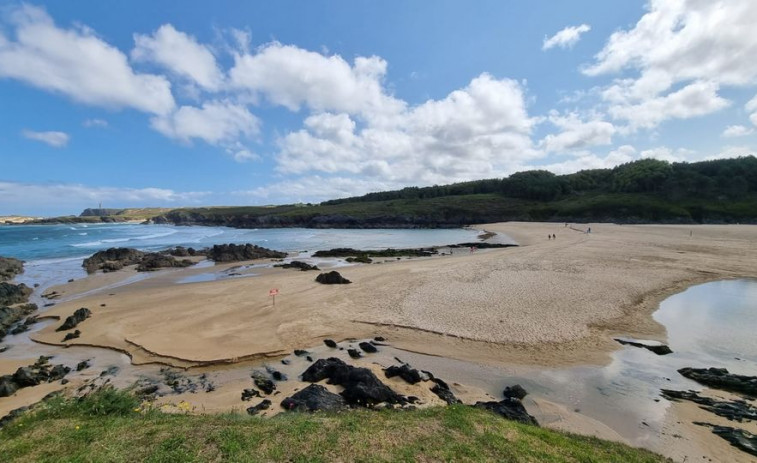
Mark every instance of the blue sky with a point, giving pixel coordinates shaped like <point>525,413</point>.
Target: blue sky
<point>195,103</point>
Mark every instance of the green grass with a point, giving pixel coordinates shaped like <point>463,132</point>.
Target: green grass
<point>105,428</point>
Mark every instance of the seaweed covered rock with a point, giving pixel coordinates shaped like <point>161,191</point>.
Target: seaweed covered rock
<point>314,398</point>
<point>332,278</point>
<point>156,261</point>
<point>10,267</point>
<point>239,252</point>
<point>112,259</point>
<point>72,320</point>
<point>720,378</point>
<point>13,294</point>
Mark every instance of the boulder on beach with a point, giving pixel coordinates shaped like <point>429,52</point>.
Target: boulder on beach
<point>361,386</point>
<point>240,252</point>
<point>314,398</point>
<point>368,347</point>
<point>255,409</point>
<point>10,267</point>
<point>515,392</point>
<point>112,259</point>
<point>156,261</point>
<point>404,371</point>
<point>332,278</point>
<point>72,320</point>
<point>13,294</point>
<point>303,266</point>
<point>509,408</point>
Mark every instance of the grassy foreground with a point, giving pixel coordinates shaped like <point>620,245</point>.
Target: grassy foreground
<point>110,427</point>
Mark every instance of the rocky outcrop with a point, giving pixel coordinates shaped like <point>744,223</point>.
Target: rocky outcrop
<point>70,336</point>
<point>734,410</point>
<point>255,409</point>
<point>12,315</point>
<point>112,259</point>
<point>330,343</point>
<point>368,347</point>
<point>515,392</point>
<point>314,398</point>
<point>332,278</point>
<point>404,371</point>
<point>509,408</point>
<point>442,390</point>
<point>356,253</point>
<point>361,387</point>
<point>303,266</point>
<point>739,438</point>
<point>659,349</point>
<point>10,267</point>
<point>40,372</point>
<point>240,252</point>
<point>720,378</point>
<point>156,261</point>
<point>73,320</point>
<point>13,294</point>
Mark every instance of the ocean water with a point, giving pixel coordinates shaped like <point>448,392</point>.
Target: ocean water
<point>53,253</point>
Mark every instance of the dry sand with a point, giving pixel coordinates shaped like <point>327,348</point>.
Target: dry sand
<point>548,302</point>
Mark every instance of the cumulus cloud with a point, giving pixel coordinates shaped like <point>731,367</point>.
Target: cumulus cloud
<point>76,63</point>
<point>565,38</point>
<point>480,130</point>
<point>215,122</point>
<point>663,153</point>
<point>316,188</point>
<point>733,131</point>
<point>576,134</point>
<point>52,138</point>
<point>751,106</point>
<point>90,123</point>
<point>36,198</point>
<point>180,54</point>
<point>292,77</point>
<point>697,45</point>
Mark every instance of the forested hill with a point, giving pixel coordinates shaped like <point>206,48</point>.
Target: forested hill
<point>645,191</point>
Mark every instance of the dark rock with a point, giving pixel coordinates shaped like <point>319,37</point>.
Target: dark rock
<point>10,267</point>
<point>300,353</point>
<point>303,266</point>
<point>78,316</point>
<point>720,378</point>
<point>739,438</point>
<point>279,376</point>
<point>147,391</point>
<point>511,409</point>
<point>442,390</point>
<point>58,372</point>
<point>354,353</point>
<point>285,361</point>
<point>332,278</point>
<point>659,349</point>
<point>27,377</point>
<point>361,387</point>
<point>379,339</point>
<point>112,259</point>
<point>735,410</point>
<point>8,386</point>
<point>156,261</point>
<point>515,392</point>
<point>309,359</point>
<point>239,252</point>
<point>70,336</point>
<point>330,343</point>
<point>314,398</point>
<point>368,347</point>
<point>264,405</point>
<point>84,364</point>
<point>265,385</point>
<point>13,294</point>
<point>404,371</point>
<point>110,371</point>
<point>248,394</point>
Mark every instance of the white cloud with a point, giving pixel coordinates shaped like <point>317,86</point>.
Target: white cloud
<point>216,122</point>
<point>316,188</point>
<point>728,152</point>
<point>696,99</point>
<point>89,123</point>
<point>54,139</point>
<point>78,64</point>
<point>576,134</point>
<point>31,198</point>
<point>698,46</point>
<point>751,106</point>
<point>181,54</point>
<point>733,131</point>
<point>291,77</point>
<point>482,130</point>
<point>565,38</point>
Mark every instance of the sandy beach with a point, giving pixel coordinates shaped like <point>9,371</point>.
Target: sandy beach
<point>547,302</point>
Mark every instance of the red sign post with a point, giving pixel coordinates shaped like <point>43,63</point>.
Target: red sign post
<point>272,293</point>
